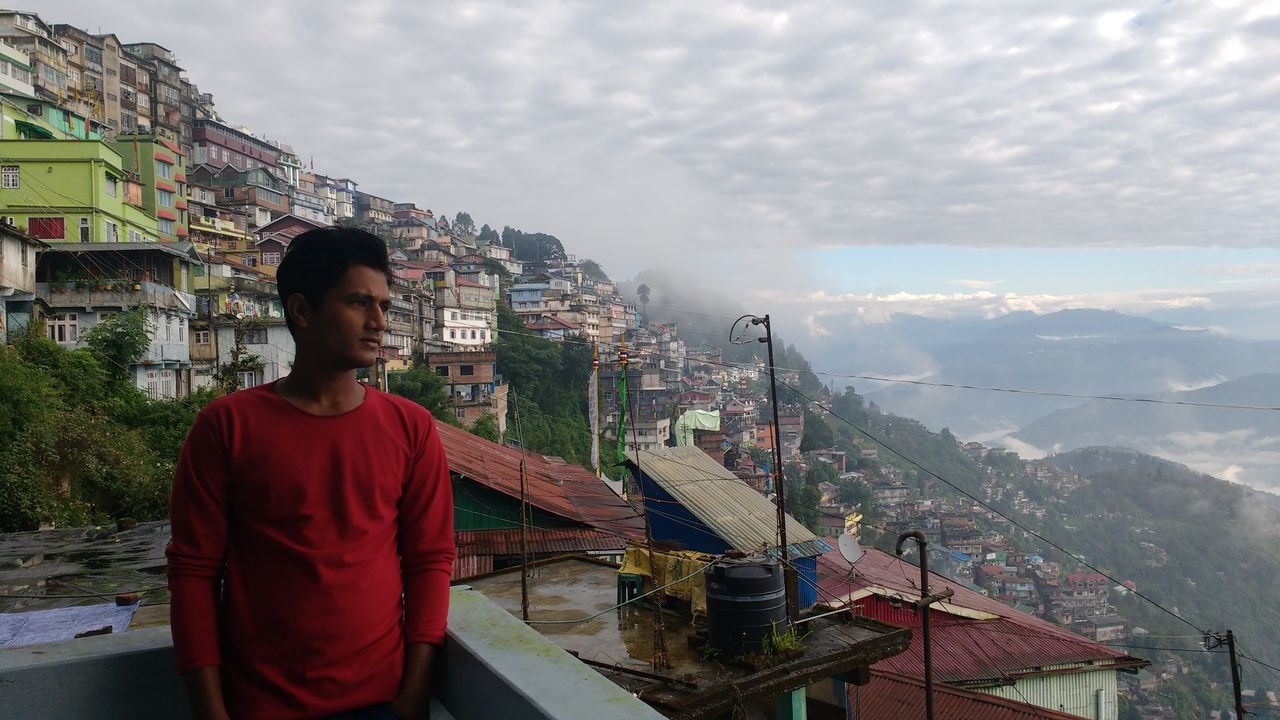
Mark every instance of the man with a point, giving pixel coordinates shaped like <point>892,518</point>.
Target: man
<point>302,509</point>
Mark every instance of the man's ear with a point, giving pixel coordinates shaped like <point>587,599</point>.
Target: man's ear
<point>298,309</point>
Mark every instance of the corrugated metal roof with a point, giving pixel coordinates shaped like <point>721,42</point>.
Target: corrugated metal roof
<point>570,491</point>
<point>541,540</point>
<point>965,650</point>
<point>724,503</point>
<point>891,695</point>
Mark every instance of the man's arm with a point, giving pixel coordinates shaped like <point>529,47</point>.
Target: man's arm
<point>426,552</point>
<point>204,690</point>
<point>415,684</point>
<point>197,556</point>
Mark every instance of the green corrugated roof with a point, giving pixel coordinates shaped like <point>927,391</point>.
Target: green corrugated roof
<point>723,502</point>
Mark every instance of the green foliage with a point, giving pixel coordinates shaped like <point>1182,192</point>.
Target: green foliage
<point>426,388</point>
<point>486,426</point>
<point>803,494</point>
<point>760,456</point>
<point>817,433</point>
<point>788,641</point>
<point>548,382</point>
<point>119,341</point>
<point>592,269</point>
<point>488,236</point>
<point>79,446</point>
<point>463,223</point>
<point>532,247</point>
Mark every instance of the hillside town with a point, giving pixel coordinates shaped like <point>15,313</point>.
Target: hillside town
<point>123,185</point>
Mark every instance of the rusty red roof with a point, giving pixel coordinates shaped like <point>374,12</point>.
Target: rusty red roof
<point>965,650</point>
<point>893,695</point>
<point>570,491</point>
<point>506,541</point>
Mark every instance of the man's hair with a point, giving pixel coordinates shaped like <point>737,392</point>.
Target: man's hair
<point>317,259</point>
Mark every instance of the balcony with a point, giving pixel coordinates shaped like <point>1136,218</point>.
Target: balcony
<point>122,293</point>
<point>492,666</point>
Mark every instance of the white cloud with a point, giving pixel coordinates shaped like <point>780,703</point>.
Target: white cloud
<point>630,130</point>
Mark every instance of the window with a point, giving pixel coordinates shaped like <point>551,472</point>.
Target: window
<point>164,170</point>
<point>453,334</point>
<point>153,384</point>
<point>111,186</point>
<point>113,231</point>
<point>166,226</point>
<point>460,413</point>
<point>63,327</point>
<point>466,369</point>
<point>135,236</point>
<point>85,230</point>
<point>247,378</point>
<point>255,336</point>
<point>47,228</point>
<point>165,198</point>
<point>270,258</point>
<point>453,316</point>
<point>200,336</point>
<point>10,177</point>
<point>473,334</point>
<point>443,371</point>
<point>250,260</point>
<point>168,329</point>
<point>228,192</point>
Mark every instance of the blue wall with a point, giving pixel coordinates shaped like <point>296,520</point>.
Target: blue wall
<point>671,522</point>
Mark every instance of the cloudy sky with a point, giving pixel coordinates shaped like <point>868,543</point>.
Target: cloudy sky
<point>823,158</point>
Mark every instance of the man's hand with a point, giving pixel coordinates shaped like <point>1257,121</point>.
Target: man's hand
<point>415,684</point>
<point>204,688</point>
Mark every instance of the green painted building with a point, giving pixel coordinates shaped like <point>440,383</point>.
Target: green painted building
<point>23,118</point>
<point>158,164</point>
<point>72,191</point>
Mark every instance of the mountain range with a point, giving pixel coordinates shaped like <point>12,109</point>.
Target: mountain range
<point>1077,352</point>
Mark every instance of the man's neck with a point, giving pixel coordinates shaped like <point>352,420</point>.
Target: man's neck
<point>319,390</point>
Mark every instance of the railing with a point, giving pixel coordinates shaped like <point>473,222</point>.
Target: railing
<point>492,666</point>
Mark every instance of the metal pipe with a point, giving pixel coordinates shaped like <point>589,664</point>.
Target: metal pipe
<point>922,542</point>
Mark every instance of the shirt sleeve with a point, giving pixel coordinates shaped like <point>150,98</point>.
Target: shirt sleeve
<point>197,551</point>
<point>426,541</point>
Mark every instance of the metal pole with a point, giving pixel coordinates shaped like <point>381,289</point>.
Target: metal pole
<point>780,482</point>
<point>1235,675</point>
<point>524,518</point>
<point>922,542</point>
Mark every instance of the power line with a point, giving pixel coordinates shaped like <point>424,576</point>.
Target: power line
<point>984,504</point>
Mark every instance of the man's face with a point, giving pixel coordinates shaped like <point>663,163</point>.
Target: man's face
<point>348,326</point>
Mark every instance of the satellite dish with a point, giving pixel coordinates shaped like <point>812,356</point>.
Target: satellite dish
<point>849,548</point>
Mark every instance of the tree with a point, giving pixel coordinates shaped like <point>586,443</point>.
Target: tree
<point>227,377</point>
<point>118,342</point>
<point>463,223</point>
<point>817,433</point>
<point>803,495</point>
<point>426,388</point>
<point>592,269</point>
<point>488,236</point>
<point>486,426</point>
<point>532,247</point>
<point>642,293</point>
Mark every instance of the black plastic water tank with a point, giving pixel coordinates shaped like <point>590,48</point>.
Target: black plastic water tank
<point>746,600</point>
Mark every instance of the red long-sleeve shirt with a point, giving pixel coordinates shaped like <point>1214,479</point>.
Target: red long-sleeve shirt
<point>293,538</point>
